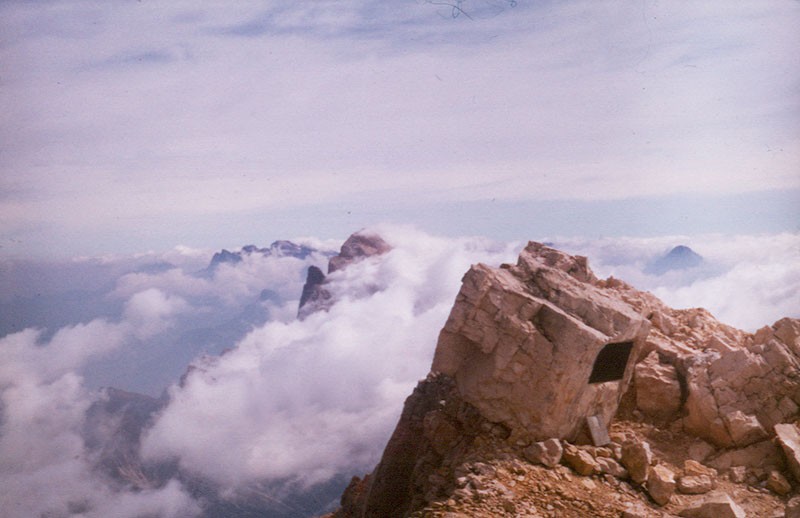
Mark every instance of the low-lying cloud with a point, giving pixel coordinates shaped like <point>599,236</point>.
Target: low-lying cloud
<point>294,402</point>
<point>304,400</point>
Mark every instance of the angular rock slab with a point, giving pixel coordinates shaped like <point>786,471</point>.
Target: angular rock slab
<point>522,341</point>
<point>715,505</point>
<point>789,439</point>
<point>661,484</point>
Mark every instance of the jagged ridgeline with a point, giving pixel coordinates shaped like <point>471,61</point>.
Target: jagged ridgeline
<point>555,393</point>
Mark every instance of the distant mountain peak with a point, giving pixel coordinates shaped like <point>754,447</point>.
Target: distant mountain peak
<point>680,257</point>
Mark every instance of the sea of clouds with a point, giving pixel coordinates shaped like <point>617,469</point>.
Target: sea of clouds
<point>294,401</point>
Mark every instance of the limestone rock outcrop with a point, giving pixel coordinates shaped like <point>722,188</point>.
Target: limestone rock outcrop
<point>359,246</point>
<point>534,363</point>
<point>539,346</point>
<point>658,389</point>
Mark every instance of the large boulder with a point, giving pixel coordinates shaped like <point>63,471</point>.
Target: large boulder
<point>658,390</point>
<point>540,346</point>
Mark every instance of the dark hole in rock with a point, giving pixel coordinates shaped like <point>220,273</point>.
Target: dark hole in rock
<point>610,363</point>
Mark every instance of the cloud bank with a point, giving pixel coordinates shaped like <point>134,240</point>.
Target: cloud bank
<point>296,403</point>
<point>304,400</point>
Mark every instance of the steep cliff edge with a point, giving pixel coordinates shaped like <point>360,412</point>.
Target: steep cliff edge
<point>554,393</point>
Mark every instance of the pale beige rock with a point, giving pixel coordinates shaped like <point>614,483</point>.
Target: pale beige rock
<point>737,474</point>
<point>637,457</point>
<point>744,429</point>
<point>789,439</point>
<point>658,392</point>
<point>738,385</point>
<point>735,395</point>
<point>715,505</point>
<point>548,453</point>
<point>521,342</point>
<point>661,484</point>
<point>695,484</point>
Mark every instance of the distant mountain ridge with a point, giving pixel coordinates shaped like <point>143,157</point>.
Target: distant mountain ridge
<point>280,248</point>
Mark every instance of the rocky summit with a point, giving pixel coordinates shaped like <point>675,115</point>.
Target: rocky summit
<point>359,246</point>
<point>554,393</point>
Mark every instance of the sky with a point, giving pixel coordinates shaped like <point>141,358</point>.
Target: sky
<point>134,126</point>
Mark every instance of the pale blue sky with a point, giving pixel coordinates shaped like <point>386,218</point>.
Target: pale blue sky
<point>139,125</point>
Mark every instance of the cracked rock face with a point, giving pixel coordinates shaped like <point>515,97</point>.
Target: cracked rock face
<point>522,343</point>
<point>737,395</point>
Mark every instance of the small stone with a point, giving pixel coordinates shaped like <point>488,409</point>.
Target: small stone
<point>637,457</point>
<point>694,468</point>
<point>661,484</point>
<point>547,453</point>
<point>737,474</point>
<point>635,511</point>
<point>777,483</point>
<point>603,452</point>
<point>695,484</point>
<point>715,505</point>
<point>611,467</point>
<point>580,461</point>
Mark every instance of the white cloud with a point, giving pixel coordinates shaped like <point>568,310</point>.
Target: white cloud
<point>304,400</point>
<point>44,469</point>
<point>746,281</point>
<point>150,311</point>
